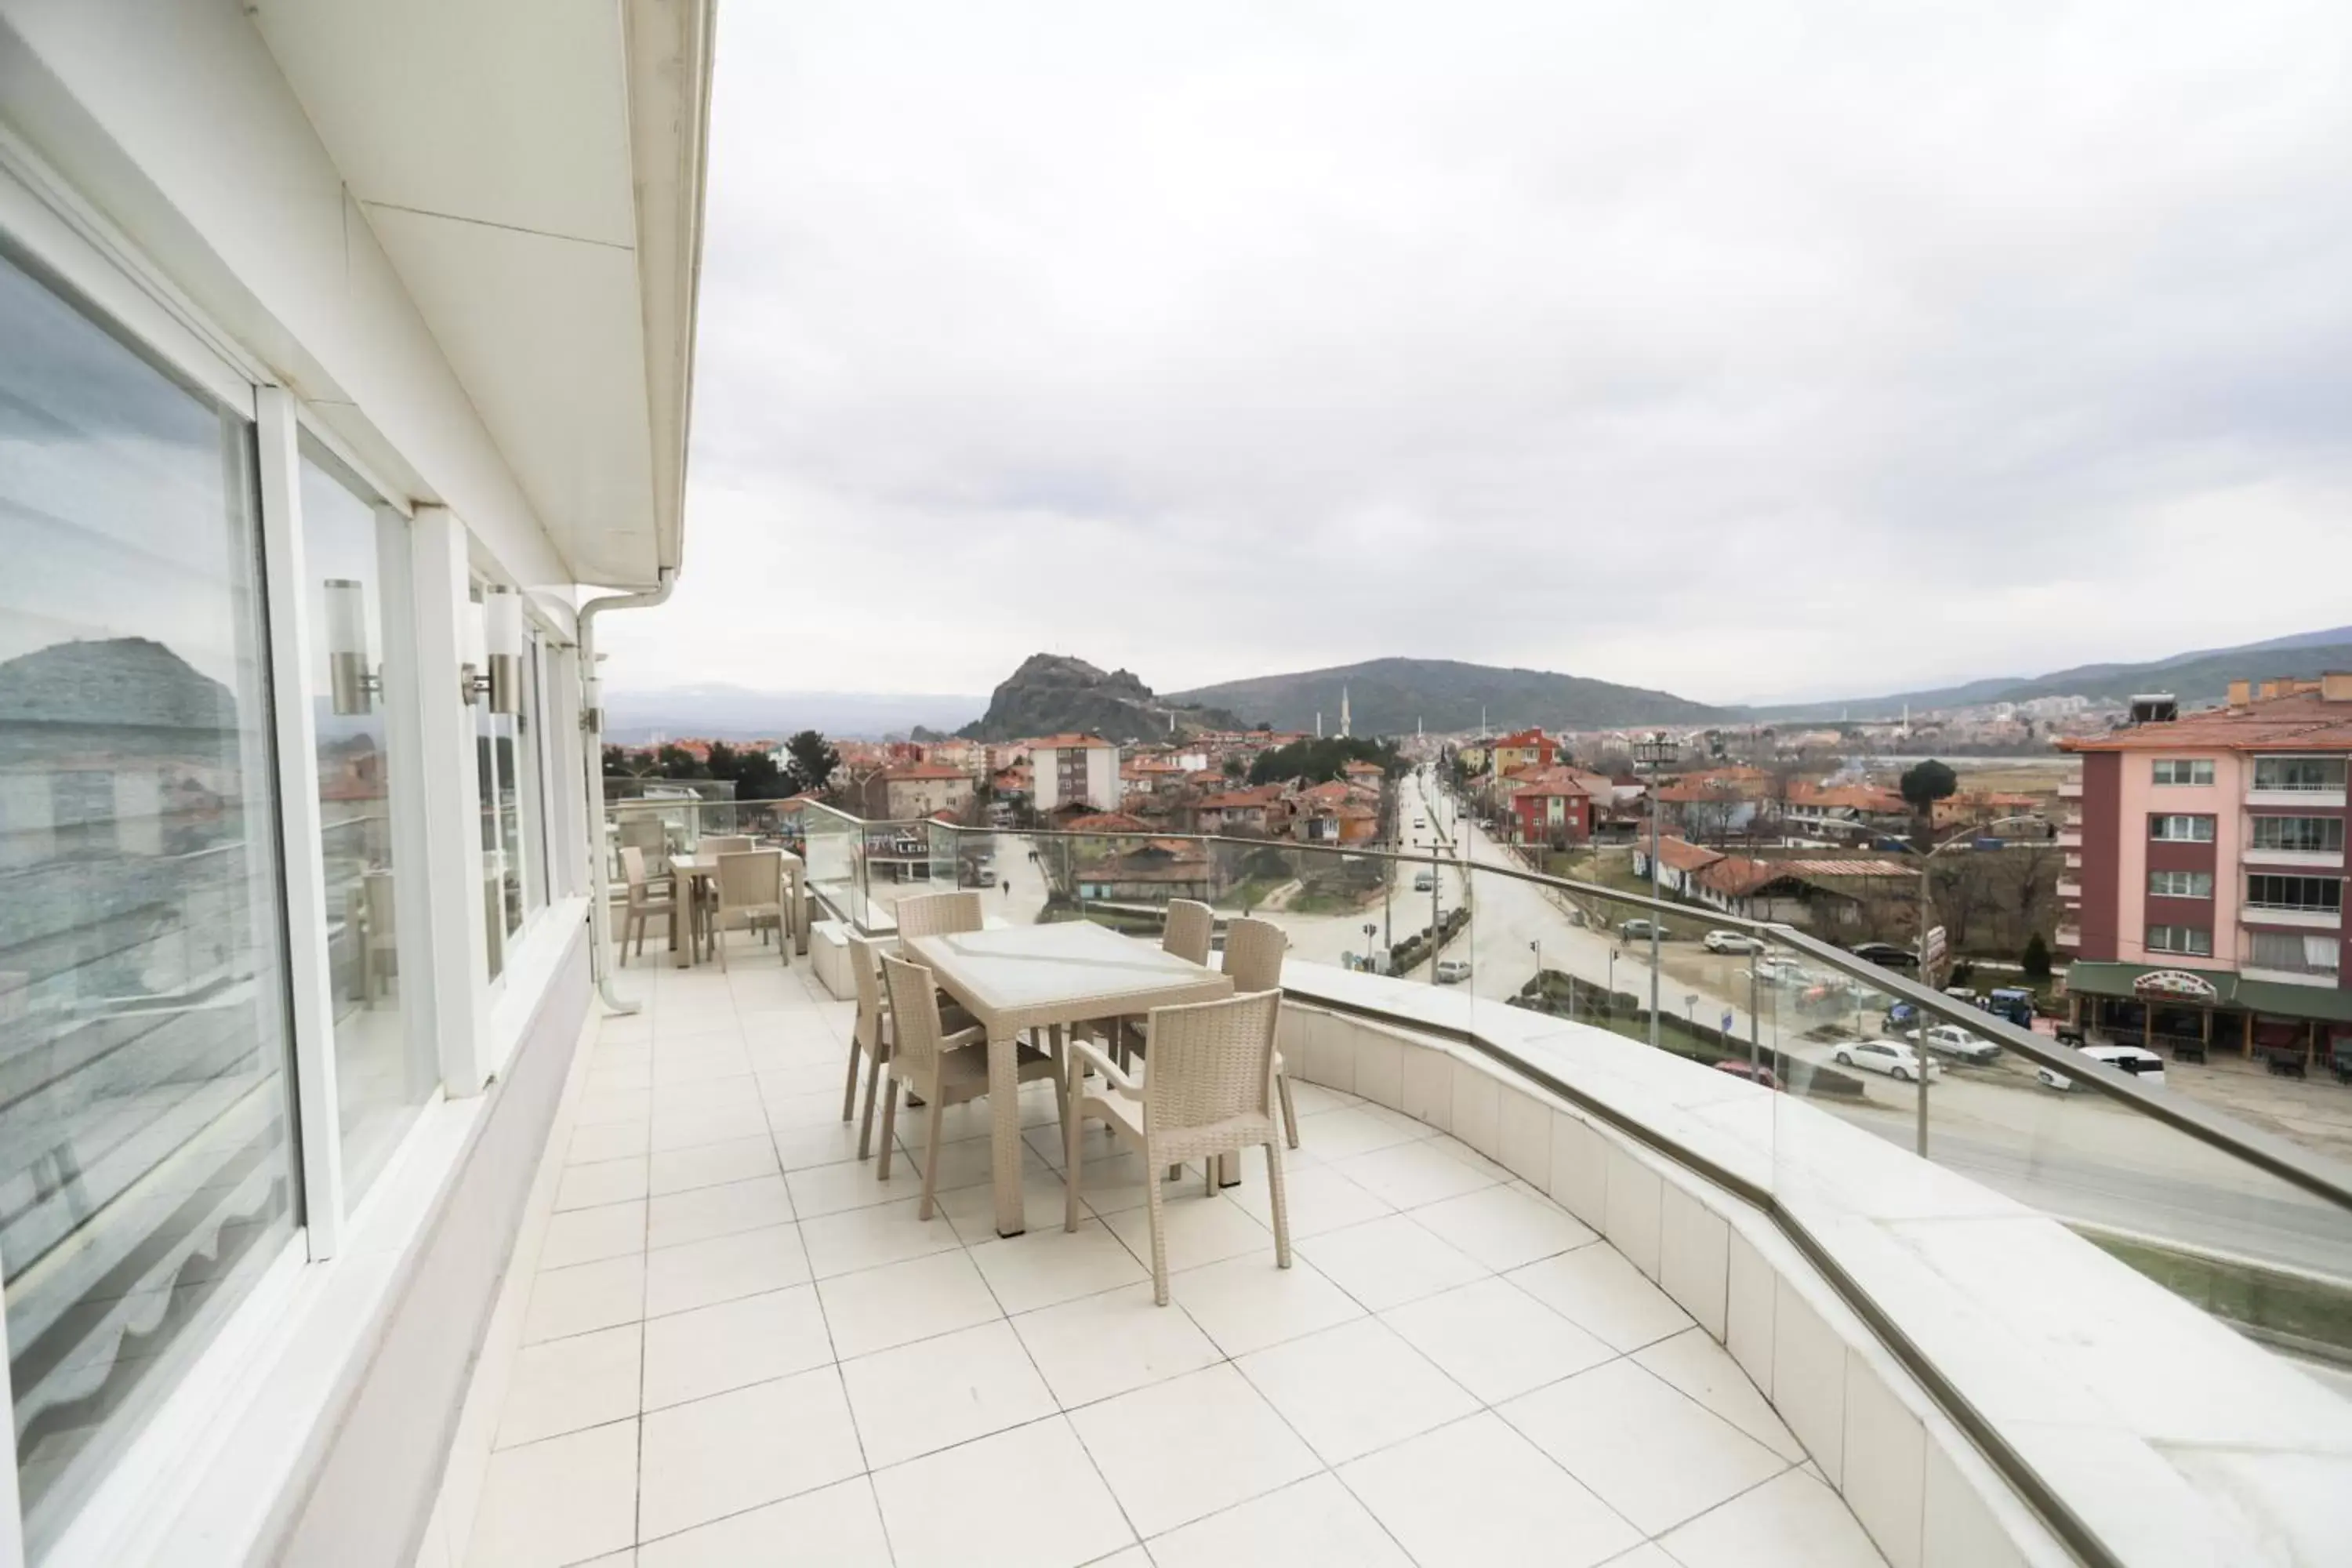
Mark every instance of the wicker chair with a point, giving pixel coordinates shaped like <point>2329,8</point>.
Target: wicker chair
<point>727,843</point>
<point>1187,929</point>
<point>944,1068</point>
<point>1253,950</point>
<point>1209,1092</point>
<point>643,902</point>
<point>869,1035</point>
<point>939,914</point>
<point>749,888</point>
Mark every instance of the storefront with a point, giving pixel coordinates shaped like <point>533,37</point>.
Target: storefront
<point>2189,1014</point>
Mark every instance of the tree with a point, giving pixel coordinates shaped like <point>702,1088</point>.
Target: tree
<point>1922,784</point>
<point>1235,766</point>
<point>622,763</point>
<point>809,761</point>
<point>2035,958</point>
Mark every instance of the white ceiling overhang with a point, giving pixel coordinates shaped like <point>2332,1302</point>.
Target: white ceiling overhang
<point>533,169</point>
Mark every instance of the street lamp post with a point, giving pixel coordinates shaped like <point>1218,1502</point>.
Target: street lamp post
<point>1653,753</point>
<point>1927,965</point>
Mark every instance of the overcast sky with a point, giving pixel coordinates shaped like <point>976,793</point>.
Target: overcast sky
<point>1751,351</point>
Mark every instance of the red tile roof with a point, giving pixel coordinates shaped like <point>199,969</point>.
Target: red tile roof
<point>1065,742</point>
<point>1684,856</point>
<point>2304,722</point>
<point>924,771</point>
<point>1106,822</point>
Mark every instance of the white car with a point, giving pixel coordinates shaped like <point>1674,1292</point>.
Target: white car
<point>1422,882</point>
<point>1896,1062</point>
<point>1732,941</point>
<point>1951,1040</point>
<point>1453,971</point>
<point>2137,1060</point>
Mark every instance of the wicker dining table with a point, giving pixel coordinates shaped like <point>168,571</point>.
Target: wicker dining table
<point>1049,977</point>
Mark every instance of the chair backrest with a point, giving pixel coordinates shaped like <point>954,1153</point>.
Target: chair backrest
<point>750,879</point>
<point>632,871</point>
<point>1191,923</point>
<point>1253,950</point>
<point>1211,1061</point>
<point>383,916</point>
<point>914,1013</point>
<point>937,914</point>
<point>646,832</point>
<point>863,952</point>
<point>727,844</point>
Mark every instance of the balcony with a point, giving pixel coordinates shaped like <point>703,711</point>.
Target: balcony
<point>2071,789</point>
<point>2292,859</point>
<point>2298,918</point>
<point>1508,1214</point>
<point>2070,837</point>
<point>2069,937</point>
<point>723,1339</point>
<point>2069,890</point>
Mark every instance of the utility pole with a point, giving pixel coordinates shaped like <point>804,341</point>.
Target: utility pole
<point>1654,753</point>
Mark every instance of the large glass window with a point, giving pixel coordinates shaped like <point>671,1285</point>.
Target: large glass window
<point>2306,894</point>
<point>529,740</point>
<point>2181,829</point>
<point>2180,884</point>
<point>2294,953</point>
<point>2194,941</point>
<point>2315,835</point>
<point>2184,770</point>
<point>146,1168</point>
<point>2305,773</point>
<point>385,1065</point>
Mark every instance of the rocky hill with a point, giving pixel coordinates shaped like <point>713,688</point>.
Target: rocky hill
<point>1051,694</point>
<point>1389,696</point>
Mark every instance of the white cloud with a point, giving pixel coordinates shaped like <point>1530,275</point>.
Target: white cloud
<point>1750,351</point>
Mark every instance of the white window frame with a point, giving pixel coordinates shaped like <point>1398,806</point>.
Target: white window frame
<point>2153,946</point>
<point>2164,771</point>
<point>2253,774</point>
<point>2160,822</point>
<point>2158,884</point>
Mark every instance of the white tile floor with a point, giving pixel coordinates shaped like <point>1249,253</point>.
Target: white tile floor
<point>736,1346</point>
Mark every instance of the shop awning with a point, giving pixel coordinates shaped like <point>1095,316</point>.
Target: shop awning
<point>2272,997</point>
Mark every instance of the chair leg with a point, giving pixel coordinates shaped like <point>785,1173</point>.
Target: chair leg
<point>1289,1111</point>
<point>1209,1177</point>
<point>1281,1206</point>
<point>932,1152</point>
<point>874,1059</point>
<point>1156,1206</point>
<point>1071,1168</point>
<point>718,945</point>
<point>889,1121</point>
<point>849,1090</point>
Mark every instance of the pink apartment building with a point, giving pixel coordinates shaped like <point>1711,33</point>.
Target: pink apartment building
<point>2203,893</point>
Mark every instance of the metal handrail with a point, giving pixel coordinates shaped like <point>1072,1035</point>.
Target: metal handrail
<point>2315,1173</point>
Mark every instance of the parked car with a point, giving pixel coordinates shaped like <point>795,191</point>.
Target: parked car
<point>1885,954</point>
<point>1754,1072</point>
<point>1423,882</point>
<point>1453,971</point>
<point>1901,1018</point>
<point>2137,1060</point>
<point>1638,930</point>
<point>1780,969</point>
<point>1732,941</point>
<point>1951,1040</point>
<point>2013,1003</point>
<point>1892,1057</point>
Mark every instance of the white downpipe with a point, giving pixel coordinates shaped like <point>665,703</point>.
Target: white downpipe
<point>592,721</point>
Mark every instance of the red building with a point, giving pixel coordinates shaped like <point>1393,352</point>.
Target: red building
<point>1552,807</point>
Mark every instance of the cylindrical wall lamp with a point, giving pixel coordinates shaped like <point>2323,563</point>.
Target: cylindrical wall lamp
<point>352,683</point>
<point>502,642</point>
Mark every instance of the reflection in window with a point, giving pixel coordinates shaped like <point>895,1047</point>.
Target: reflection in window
<point>529,741</point>
<point>494,752</point>
<point>146,1171</point>
<point>384,1069</point>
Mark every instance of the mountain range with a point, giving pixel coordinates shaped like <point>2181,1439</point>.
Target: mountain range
<point>1393,696</point>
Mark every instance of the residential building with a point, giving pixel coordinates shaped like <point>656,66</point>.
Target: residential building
<point>2203,894</point>
<point>1834,811</point>
<point>1552,806</point>
<point>910,791</point>
<point>1075,770</point>
<point>346,345</point>
<point>1257,810</point>
<point>1524,749</point>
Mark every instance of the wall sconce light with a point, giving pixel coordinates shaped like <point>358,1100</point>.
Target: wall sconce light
<point>354,686</point>
<point>494,642</point>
